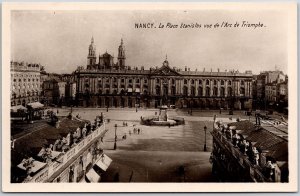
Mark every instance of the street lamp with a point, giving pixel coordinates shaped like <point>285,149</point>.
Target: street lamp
<point>115,145</point>
<point>205,128</point>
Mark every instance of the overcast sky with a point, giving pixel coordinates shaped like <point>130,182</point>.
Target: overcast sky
<point>59,40</point>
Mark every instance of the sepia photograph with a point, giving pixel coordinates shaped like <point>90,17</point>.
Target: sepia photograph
<point>153,97</point>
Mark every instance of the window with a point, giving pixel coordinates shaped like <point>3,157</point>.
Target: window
<point>200,82</point>
<point>185,91</point>
<point>137,80</point>
<point>122,80</point>
<point>15,80</point>
<point>115,79</point>
<point>107,80</point>
<point>242,82</point>
<point>185,81</point>
<point>222,82</point>
<point>173,81</point>
<point>192,81</point>
<point>193,91</point>
<point>207,82</point>
<point>24,80</point>
<point>157,89</point>
<point>130,80</point>
<point>229,82</point>
<point>200,89</point>
<point>157,80</point>
<point>215,92</point>
<point>215,82</point>
<point>145,81</point>
<point>207,91</point>
<point>173,90</point>
<point>222,91</point>
<point>229,91</point>
<point>20,80</point>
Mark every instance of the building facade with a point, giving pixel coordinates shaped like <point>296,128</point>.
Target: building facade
<point>73,153</point>
<point>244,152</point>
<point>25,83</point>
<point>105,84</point>
<point>53,92</point>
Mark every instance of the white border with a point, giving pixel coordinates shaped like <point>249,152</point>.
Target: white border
<point>152,187</point>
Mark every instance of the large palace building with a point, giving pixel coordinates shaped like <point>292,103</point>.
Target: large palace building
<point>25,83</point>
<point>109,84</point>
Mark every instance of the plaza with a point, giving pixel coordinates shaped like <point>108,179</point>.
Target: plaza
<point>156,154</point>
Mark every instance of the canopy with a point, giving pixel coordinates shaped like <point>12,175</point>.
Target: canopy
<point>35,105</point>
<point>137,90</point>
<point>35,166</point>
<point>92,176</point>
<point>129,90</point>
<point>17,107</point>
<point>104,162</point>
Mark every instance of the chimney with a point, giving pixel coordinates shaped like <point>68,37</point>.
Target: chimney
<point>185,69</point>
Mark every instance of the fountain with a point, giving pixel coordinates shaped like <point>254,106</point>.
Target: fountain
<point>162,119</point>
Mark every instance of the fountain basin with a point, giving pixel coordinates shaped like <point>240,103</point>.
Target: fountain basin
<point>154,121</point>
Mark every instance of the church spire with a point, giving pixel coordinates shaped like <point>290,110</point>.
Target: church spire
<point>91,58</point>
<point>121,55</point>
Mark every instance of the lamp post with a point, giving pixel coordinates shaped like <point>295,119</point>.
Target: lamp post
<point>205,128</point>
<point>115,145</point>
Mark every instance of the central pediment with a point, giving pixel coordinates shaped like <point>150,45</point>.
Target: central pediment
<point>165,71</point>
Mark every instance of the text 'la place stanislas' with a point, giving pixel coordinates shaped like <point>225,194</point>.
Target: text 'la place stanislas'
<point>224,24</point>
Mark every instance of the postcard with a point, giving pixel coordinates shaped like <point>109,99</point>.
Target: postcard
<point>149,97</point>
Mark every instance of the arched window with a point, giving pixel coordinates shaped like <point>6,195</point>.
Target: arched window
<point>130,80</point>
<point>215,91</point>
<point>173,81</point>
<point>229,82</point>
<point>242,82</point>
<point>192,81</point>
<point>157,80</point>
<point>222,82</point>
<point>222,91</point>
<point>207,82</point>
<point>215,82</point>
<point>200,90</point>
<point>200,82</point>
<point>157,89</point>
<point>207,91</point>
<point>242,91</point>
<point>193,91</point>
<point>185,81</point>
<point>137,80</point>
<point>229,93</point>
<point>185,90</point>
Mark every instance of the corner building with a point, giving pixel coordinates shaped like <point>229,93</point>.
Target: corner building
<point>105,84</point>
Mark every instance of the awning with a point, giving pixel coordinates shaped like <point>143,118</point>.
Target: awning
<point>129,90</point>
<point>17,107</point>
<point>92,176</point>
<point>35,165</point>
<point>137,90</point>
<point>35,105</point>
<point>104,162</point>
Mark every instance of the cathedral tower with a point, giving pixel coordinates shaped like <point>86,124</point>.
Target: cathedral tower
<point>91,58</point>
<point>121,55</point>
